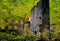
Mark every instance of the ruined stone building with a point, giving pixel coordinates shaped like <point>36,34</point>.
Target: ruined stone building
<point>39,17</point>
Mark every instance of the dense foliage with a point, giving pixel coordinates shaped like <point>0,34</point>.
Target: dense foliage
<point>55,14</point>
<point>11,10</point>
<point>9,37</point>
